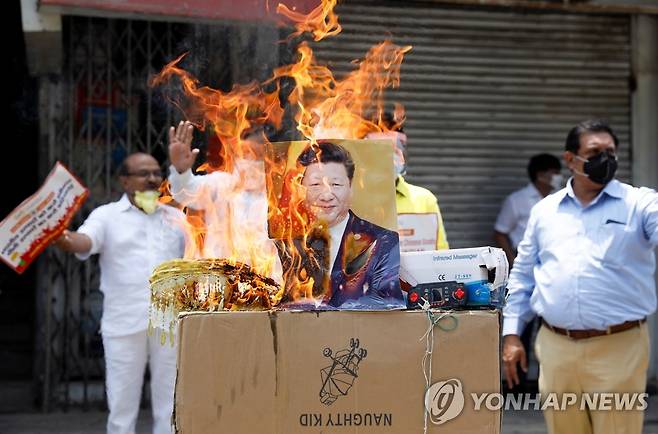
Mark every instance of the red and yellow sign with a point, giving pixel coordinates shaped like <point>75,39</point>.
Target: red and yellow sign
<point>41,218</point>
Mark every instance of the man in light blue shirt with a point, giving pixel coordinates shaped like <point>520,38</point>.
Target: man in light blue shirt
<point>586,267</point>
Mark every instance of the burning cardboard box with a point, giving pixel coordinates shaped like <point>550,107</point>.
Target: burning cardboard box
<point>337,372</point>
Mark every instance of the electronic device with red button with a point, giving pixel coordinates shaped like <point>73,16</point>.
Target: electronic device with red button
<point>443,295</point>
<point>473,278</point>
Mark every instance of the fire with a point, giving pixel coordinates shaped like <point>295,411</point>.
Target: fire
<point>348,108</point>
<point>321,21</point>
<point>326,107</point>
<point>229,114</point>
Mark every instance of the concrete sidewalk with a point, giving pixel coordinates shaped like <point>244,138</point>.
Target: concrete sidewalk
<point>93,422</point>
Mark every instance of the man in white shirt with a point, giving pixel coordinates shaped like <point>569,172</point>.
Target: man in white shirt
<point>132,236</point>
<point>586,266</point>
<point>235,203</point>
<point>545,177</point>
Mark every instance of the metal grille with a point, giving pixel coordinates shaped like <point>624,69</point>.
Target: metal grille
<point>485,89</point>
<point>100,110</point>
<point>97,112</point>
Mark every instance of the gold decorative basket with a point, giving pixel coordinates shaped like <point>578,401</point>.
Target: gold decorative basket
<point>206,285</point>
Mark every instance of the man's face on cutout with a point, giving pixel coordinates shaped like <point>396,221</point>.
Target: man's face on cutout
<point>328,191</point>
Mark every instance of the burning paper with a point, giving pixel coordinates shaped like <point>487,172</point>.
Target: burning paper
<point>41,218</point>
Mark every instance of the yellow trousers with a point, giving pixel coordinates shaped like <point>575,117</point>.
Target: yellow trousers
<point>614,363</point>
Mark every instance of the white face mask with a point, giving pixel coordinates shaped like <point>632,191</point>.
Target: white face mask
<point>147,201</point>
<point>557,181</point>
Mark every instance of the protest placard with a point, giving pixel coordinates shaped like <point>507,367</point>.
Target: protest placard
<point>40,218</point>
<point>418,231</point>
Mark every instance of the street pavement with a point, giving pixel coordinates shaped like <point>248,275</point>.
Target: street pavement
<point>93,422</point>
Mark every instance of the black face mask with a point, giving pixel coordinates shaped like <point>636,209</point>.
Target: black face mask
<point>600,168</point>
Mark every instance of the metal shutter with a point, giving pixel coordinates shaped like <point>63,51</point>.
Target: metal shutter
<point>485,89</point>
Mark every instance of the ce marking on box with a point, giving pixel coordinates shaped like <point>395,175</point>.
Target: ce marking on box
<point>441,277</point>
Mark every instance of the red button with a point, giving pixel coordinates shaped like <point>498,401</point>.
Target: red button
<point>459,294</point>
<point>413,297</point>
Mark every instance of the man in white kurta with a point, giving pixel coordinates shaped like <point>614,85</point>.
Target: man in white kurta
<point>234,203</point>
<point>132,237</point>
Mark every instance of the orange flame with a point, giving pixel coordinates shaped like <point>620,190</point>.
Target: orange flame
<point>348,108</point>
<point>321,21</point>
<point>229,114</point>
<point>327,107</point>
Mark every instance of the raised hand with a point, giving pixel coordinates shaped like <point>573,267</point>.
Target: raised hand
<point>181,154</point>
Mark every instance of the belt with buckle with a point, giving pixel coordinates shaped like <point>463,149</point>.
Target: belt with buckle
<point>584,334</point>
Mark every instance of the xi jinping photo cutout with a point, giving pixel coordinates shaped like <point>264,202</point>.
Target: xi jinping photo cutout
<point>333,218</point>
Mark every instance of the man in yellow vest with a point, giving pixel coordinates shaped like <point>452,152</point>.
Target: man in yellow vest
<point>419,218</point>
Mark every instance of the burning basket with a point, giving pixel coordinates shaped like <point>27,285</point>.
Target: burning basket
<point>206,285</point>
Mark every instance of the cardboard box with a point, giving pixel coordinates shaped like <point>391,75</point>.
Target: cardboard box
<point>335,372</point>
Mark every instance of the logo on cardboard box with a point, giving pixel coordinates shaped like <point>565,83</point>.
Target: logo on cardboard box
<point>338,378</point>
<point>444,401</point>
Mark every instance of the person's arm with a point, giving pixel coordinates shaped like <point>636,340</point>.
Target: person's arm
<point>517,311</point>
<point>198,191</point>
<point>73,242</point>
<point>505,222</point>
<point>503,241</point>
<point>184,187</point>
<point>648,207</point>
<point>187,189</point>
<point>88,239</point>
